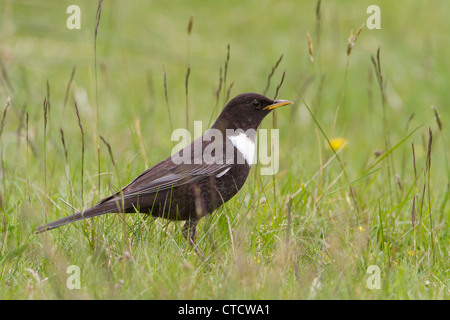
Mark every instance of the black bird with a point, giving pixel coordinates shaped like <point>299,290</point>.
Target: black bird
<point>200,177</point>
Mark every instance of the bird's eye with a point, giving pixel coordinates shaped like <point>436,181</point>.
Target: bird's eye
<point>255,103</point>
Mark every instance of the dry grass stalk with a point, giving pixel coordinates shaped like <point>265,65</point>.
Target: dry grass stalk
<point>215,111</point>
<point>288,228</point>
<point>2,124</point>
<point>413,222</point>
<point>274,68</point>
<point>45,109</point>
<point>112,158</point>
<point>276,95</point>
<point>82,147</point>
<point>229,91</point>
<point>66,158</point>
<point>5,76</point>
<point>398,181</point>
<point>63,140</point>
<point>45,106</point>
<point>352,40</point>
<point>5,111</point>
<point>186,86</point>
<point>190,24</point>
<point>386,129</point>
<point>438,118</point>
<point>68,87</point>
<point>225,73</point>
<point>109,150</point>
<point>318,19</point>
<point>428,169</point>
<point>141,144</point>
<point>280,84</point>
<point>430,142</point>
<point>413,213</point>
<point>98,16</point>
<point>439,123</point>
<point>310,47</point>
<point>28,158</point>
<point>219,88</point>
<point>21,124</point>
<point>48,97</point>
<point>414,163</point>
<point>377,66</point>
<point>166,96</point>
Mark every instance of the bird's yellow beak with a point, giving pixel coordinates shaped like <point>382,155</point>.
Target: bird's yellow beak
<point>277,104</point>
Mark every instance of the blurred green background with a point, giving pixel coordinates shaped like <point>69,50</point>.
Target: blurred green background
<point>138,41</point>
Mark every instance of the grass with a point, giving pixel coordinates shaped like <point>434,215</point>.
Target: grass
<point>113,92</point>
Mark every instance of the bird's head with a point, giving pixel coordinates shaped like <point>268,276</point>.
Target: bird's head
<point>246,111</point>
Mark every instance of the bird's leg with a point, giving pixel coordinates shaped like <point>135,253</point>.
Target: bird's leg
<point>189,234</point>
<point>189,231</point>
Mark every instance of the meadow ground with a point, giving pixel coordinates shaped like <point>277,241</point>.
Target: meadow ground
<point>86,115</point>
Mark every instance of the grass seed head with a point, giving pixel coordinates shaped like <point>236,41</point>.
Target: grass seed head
<point>310,46</point>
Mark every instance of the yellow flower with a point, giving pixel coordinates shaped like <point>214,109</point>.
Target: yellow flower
<point>411,253</point>
<point>338,143</point>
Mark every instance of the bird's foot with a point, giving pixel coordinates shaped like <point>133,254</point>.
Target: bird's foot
<point>189,229</point>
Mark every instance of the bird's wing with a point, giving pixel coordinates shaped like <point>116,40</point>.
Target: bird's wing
<point>181,174</point>
<point>167,175</point>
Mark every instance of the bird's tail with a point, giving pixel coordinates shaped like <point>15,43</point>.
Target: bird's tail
<point>89,213</point>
